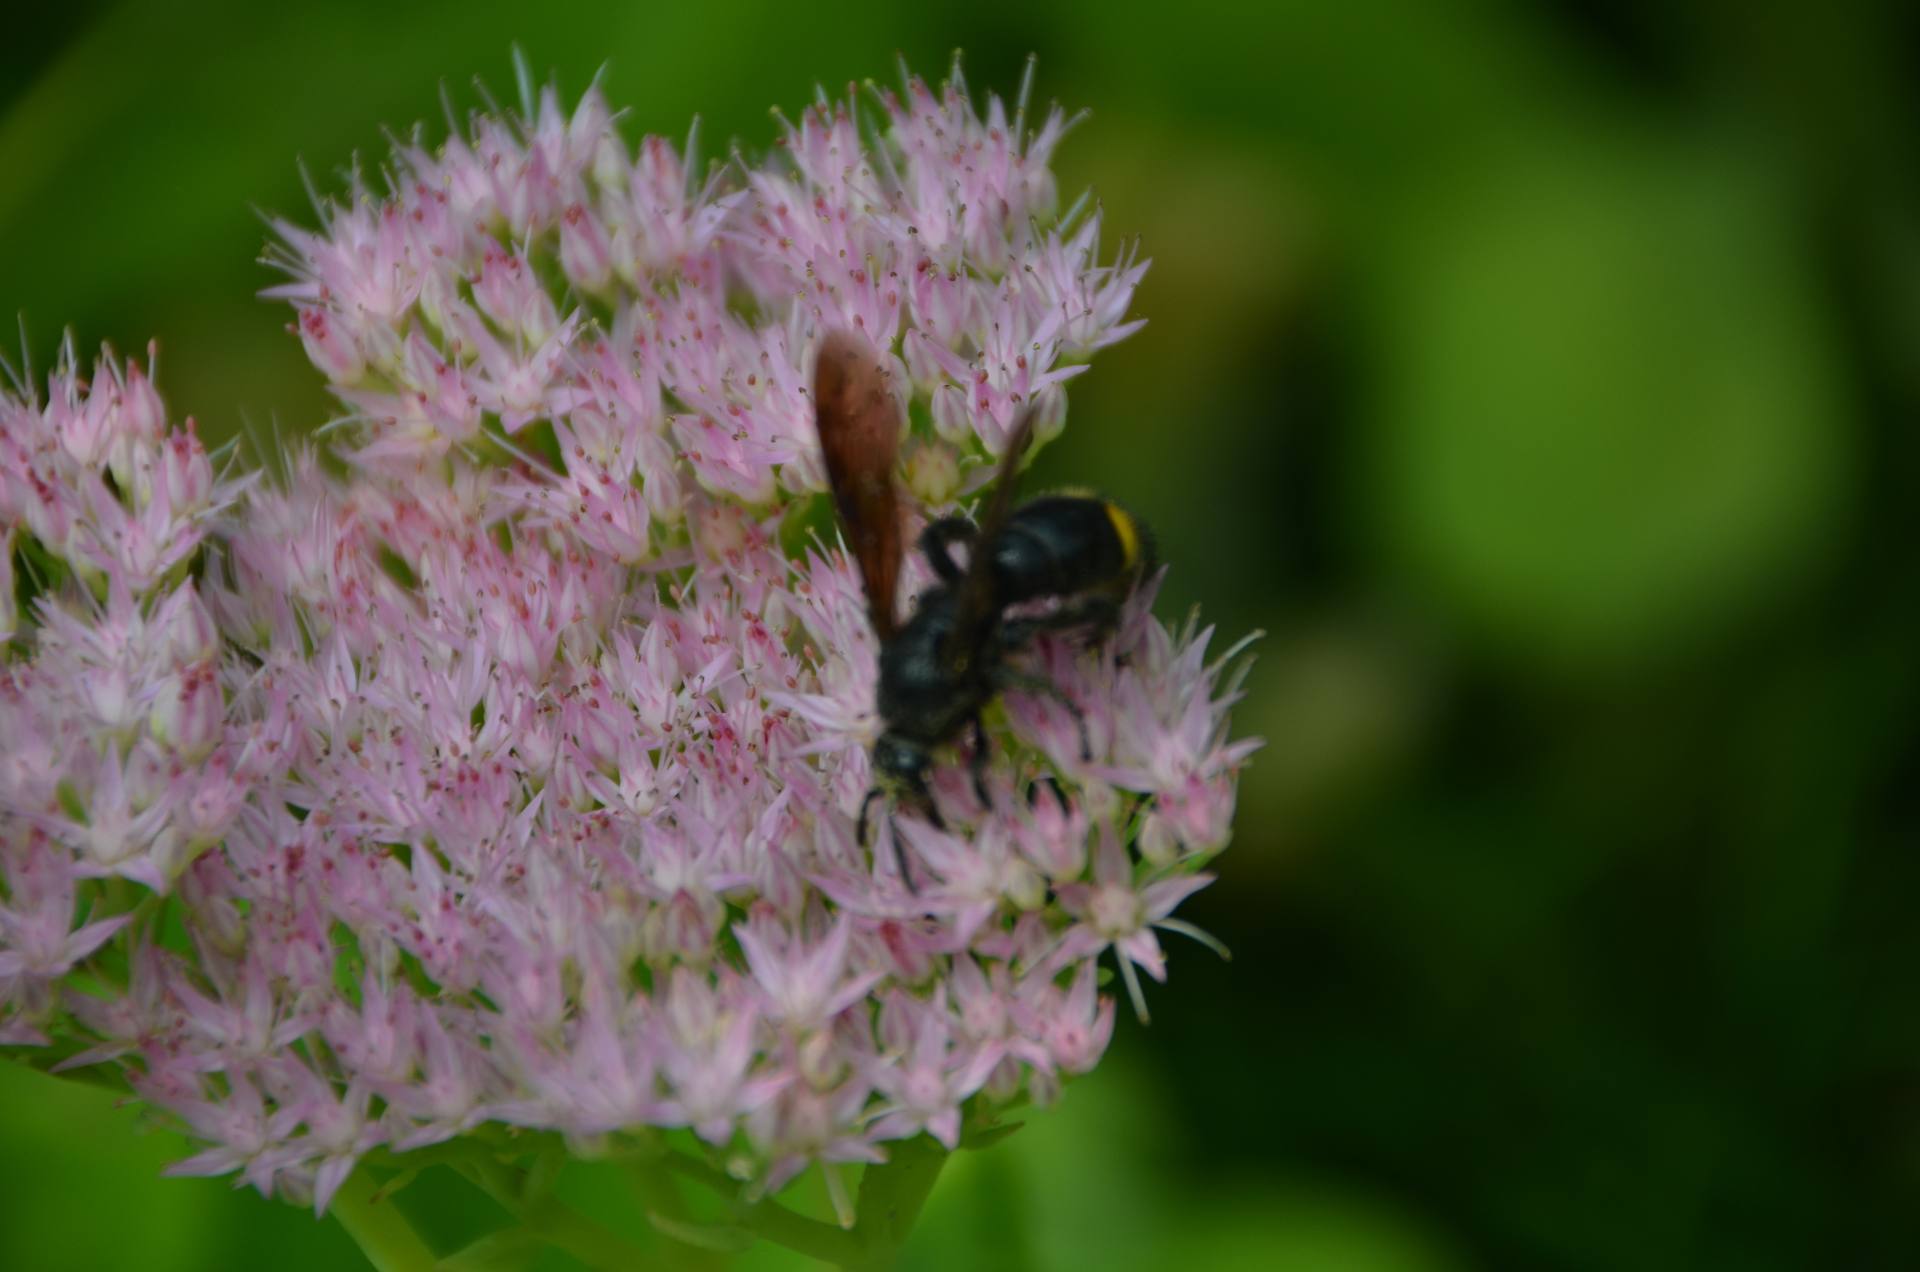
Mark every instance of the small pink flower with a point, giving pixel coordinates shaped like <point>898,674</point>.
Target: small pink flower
<point>805,988</point>
<point>188,711</point>
<point>37,936</point>
<point>708,1052</point>
<point>329,345</point>
<point>803,1125</point>
<point>585,253</point>
<point>924,1074</point>
<point>1075,1026</point>
<point>1116,912</point>
<point>236,1124</point>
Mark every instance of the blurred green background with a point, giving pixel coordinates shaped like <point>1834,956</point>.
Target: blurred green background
<point>1545,381</point>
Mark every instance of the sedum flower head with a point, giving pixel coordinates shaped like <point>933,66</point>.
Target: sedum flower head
<point>506,771</point>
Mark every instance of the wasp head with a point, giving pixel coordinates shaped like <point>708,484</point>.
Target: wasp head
<point>901,762</point>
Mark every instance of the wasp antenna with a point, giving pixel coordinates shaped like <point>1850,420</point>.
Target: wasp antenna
<point>900,859</point>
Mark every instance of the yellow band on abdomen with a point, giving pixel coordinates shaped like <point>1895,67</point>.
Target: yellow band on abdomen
<point>1128,532</point>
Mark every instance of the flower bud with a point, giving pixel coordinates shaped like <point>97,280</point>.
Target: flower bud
<point>820,1063</point>
<point>933,473</point>
<point>143,416</point>
<point>146,774</point>
<point>329,346</point>
<point>87,430</point>
<point>1157,841</point>
<point>1054,835</point>
<point>108,694</point>
<point>585,256</point>
<point>189,712</point>
<point>189,633</point>
<point>1004,1082</point>
<point>509,292</point>
<point>177,473</point>
<point>212,802</point>
<point>682,929</point>
<point>1023,885</point>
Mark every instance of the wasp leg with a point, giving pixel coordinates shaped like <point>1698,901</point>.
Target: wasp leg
<point>923,798</point>
<point>1040,686</point>
<point>900,860</point>
<point>860,828</point>
<point>937,540</point>
<point>977,764</point>
<point>893,831</point>
<point>1098,612</point>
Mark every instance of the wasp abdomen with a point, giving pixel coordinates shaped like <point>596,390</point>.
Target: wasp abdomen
<point>1061,544</point>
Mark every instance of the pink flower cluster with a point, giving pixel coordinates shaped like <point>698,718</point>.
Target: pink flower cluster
<point>510,775</point>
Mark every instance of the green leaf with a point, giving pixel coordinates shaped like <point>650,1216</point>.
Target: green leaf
<point>394,1185</point>
<point>892,1194</point>
<point>988,1136</point>
<point>507,1250</point>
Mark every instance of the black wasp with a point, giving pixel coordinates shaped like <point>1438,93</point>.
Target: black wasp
<point>949,660</point>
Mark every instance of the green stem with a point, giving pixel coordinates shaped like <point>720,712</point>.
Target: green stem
<point>891,1198</point>
<point>557,1223</point>
<point>823,1241</point>
<point>771,1220</point>
<point>378,1228</point>
<point>661,1196</point>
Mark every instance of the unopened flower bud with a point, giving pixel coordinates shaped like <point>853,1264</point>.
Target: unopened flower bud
<point>329,345</point>
<point>933,473</point>
<point>188,712</point>
<point>143,416</point>
<point>820,1063</point>
<point>178,474</point>
<point>584,253</point>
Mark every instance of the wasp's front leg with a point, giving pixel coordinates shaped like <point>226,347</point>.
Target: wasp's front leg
<point>937,540</point>
<point>977,763</point>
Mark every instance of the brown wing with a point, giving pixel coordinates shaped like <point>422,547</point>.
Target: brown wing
<point>859,424</point>
<point>979,606</point>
